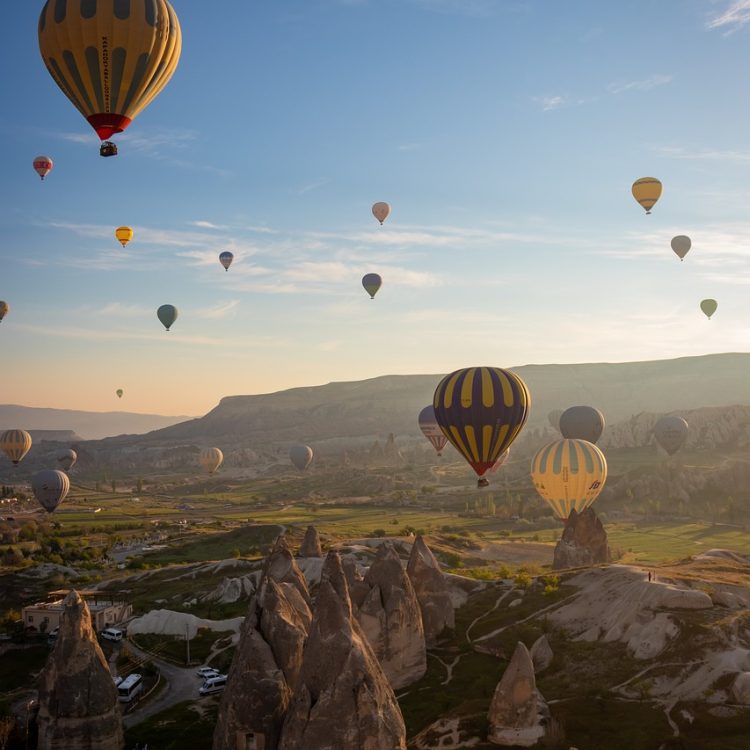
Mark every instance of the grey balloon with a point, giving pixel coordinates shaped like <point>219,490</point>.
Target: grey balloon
<point>582,423</point>
<point>67,459</point>
<point>671,433</point>
<point>301,456</point>
<point>50,488</point>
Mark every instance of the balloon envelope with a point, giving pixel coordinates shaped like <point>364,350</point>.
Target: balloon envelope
<point>15,444</point>
<point>119,392</point>
<point>4,308</point>
<point>167,314</point>
<point>647,190</point>
<point>50,488</point>
<point>709,307</point>
<point>569,474</point>
<point>681,244</point>
<point>66,459</point>
<point>301,456</point>
<point>43,165</point>
<point>124,235</point>
<point>110,58</point>
<point>431,429</point>
<point>501,461</point>
<point>210,459</point>
<point>226,259</point>
<point>481,410</point>
<point>582,423</point>
<point>372,282</point>
<point>381,211</point>
<point>671,433</point>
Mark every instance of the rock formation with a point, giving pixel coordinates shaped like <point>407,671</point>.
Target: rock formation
<point>311,544</point>
<point>541,654</point>
<point>282,567</point>
<point>514,714</point>
<point>584,542</point>
<point>432,592</point>
<point>343,700</point>
<point>78,707</point>
<point>392,620</point>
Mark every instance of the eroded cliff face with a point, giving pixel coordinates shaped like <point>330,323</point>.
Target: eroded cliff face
<point>584,542</point>
<point>78,707</point>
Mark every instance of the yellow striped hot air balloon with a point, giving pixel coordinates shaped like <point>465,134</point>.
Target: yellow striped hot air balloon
<point>15,444</point>
<point>647,190</point>
<point>111,58</point>
<point>569,474</point>
<point>124,235</point>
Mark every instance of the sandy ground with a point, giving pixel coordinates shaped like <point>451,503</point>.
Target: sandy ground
<point>516,552</point>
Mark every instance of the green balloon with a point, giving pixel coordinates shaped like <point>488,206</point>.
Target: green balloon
<point>709,307</point>
<point>167,314</point>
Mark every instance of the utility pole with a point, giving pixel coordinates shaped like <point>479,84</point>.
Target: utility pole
<point>187,644</point>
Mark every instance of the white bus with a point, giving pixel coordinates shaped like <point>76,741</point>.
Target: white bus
<point>129,688</point>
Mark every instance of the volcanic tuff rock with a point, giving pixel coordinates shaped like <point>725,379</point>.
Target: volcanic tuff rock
<point>541,654</point>
<point>343,700</point>
<point>432,591</point>
<point>311,544</point>
<point>78,707</point>
<point>584,542</point>
<point>391,619</point>
<point>514,714</point>
<point>282,567</point>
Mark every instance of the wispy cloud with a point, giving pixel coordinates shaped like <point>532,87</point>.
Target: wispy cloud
<point>310,186</point>
<point>645,84</point>
<point>704,154</point>
<point>206,225</point>
<point>219,311</point>
<point>550,102</point>
<point>732,18</point>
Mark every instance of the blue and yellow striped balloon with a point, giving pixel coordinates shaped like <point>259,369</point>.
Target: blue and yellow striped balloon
<point>15,444</point>
<point>569,474</point>
<point>481,410</point>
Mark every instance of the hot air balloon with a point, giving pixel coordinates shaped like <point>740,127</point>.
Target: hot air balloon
<point>111,58</point>
<point>709,307</point>
<point>119,392</point>
<point>554,418</point>
<point>15,444</point>
<point>4,308</point>
<point>167,314</point>
<point>226,259</point>
<point>681,244</point>
<point>66,459</point>
<point>481,410</point>
<point>43,166</point>
<point>210,459</point>
<point>124,235</point>
<point>582,423</point>
<point>569,474</point>
<point>647,190</point>
<point>381,211</point>
<point>372,282</point>
<point>671,433</point>
<point>431,429</point>
<point>501,461</point>
<point>50,488</point>
<point>301,456</point>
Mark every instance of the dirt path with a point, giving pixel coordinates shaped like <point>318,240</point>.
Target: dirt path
<point>488,612</point>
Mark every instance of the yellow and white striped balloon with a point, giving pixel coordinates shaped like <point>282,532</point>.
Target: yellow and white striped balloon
<point>15,444</point>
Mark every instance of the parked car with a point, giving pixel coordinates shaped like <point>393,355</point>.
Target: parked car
<point>206,672</point>
<point>112,634</point>
<point>213,685</point>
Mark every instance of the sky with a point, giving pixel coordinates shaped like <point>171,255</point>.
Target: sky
<point>504,133</point>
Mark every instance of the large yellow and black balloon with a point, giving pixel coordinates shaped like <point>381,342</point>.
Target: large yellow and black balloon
<point>481,411</point>
<point>111,58</point>
<point>15,444</point>
<point>569,475</point>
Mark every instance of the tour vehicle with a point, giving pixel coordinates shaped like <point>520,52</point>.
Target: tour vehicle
<point>206,672</point>
<point>213,685</point>
<point>129,689</point>
<point>112,634</point>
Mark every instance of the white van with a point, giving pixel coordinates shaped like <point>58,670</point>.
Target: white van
<point>112,634</point>
<point>129,688</point>
<point>213,685</point>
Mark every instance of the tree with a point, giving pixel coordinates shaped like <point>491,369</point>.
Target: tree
<point>113,484</point>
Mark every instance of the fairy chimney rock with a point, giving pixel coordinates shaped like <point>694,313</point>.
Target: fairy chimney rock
<point>281,566</point>
<point>311,544</point>
<point>78,706</point>
<point>584,542</point>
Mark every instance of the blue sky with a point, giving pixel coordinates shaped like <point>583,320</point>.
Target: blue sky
<point>505,134</point>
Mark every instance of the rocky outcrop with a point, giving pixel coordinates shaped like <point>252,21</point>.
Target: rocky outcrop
<point>391,619</point>
<point>78,707</point>
<point>343,700</point>
<point>231,590</point>
<point>584,542</point>
<point>741,689</point>
<point>311,544</point>
<point>282,567</point>
<point>515,715</point>
<point>541,654</point>
<point>432,591</point>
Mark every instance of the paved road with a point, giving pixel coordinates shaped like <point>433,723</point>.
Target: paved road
<point>182,685</point>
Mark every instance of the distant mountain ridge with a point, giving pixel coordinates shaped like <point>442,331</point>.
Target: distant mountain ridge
<point>87,425</point>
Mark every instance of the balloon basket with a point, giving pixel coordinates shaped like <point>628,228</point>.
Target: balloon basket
<point>108,149</point>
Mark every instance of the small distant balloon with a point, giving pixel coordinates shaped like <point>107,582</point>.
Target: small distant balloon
<point>226,259</point>
<point>681,245</point>
<point>372,282</point>
<point>67,459</point>
<point>431,429</point>
<point>301,456</point>
<point>211,459</point>
<point>709,307</point>
<point>582,423</point>
<point>647,190</point>
<point>124,235</point>
<point>50,488</point>
<point>671,433</point>
<point>119,392</point>
<point>167,314</point>
<point>4,309</point>
<point>381,211</point>
<point>15,444</point>
<point>43,166</point>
